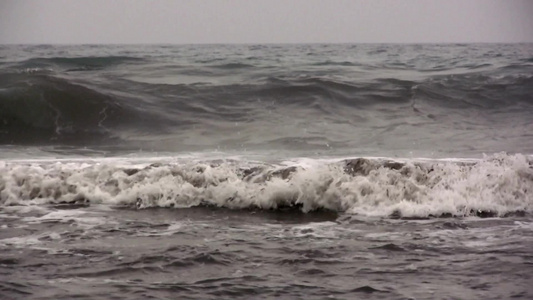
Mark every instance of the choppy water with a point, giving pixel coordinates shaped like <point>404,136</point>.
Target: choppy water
<point>266,171</point>
<point>399,100</point>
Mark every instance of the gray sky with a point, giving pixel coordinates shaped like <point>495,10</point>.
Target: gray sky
<point>265,21</point>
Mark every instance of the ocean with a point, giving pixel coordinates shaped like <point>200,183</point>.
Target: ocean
<point>294,171</point>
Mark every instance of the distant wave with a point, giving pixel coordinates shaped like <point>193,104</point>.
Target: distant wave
<point>78,63</point>
<point>497,185</point>
<point>195,97</point>
<point>232,66</point>
<point>38,106</point>
<point>336,63</point>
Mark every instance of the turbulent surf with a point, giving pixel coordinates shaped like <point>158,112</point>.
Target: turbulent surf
<point>266,171</point>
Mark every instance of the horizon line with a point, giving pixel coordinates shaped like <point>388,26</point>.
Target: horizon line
<point>264,43</point>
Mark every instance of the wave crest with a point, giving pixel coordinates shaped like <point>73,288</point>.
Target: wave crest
<point>37,108</point>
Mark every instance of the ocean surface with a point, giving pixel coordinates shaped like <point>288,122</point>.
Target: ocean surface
<point>365,171</point>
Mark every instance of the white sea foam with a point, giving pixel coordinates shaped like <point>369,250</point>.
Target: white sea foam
<point>20,241</point>
<point>499,184</point>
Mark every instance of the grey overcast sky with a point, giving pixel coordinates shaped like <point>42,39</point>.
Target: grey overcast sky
<point>265,21</point>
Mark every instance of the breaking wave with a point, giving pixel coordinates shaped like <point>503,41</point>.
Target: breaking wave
<point>497,185</point>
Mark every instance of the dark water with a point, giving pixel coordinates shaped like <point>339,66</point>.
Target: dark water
<point>202,253</point>
<point>398,100</point>
<point>266,171</point>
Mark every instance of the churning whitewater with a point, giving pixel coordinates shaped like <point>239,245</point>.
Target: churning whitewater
<point>497,185</point>
<point>266,171</point>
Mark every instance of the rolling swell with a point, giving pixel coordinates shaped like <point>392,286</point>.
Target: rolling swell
<point>174,98</point>
<point>41,108</point>
<point>484,91</point>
